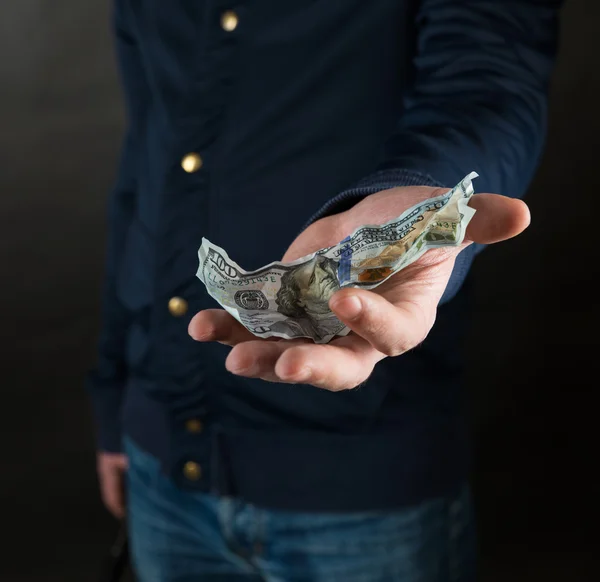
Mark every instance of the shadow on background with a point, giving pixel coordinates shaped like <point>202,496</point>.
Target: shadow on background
<point>536,307</point>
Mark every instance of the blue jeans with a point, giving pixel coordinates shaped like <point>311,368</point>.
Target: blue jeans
<point>178,536</point>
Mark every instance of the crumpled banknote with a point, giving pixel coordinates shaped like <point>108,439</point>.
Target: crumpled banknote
<point>291,300</point>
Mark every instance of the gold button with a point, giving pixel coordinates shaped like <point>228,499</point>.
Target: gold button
<point>229,20</point>
<point>178,306</point>
<point>193,425</point>
<point>192,471</point>
<point>191,163</point>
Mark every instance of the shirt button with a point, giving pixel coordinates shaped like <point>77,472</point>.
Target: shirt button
<point>193,425</point>
<point>192,471</point>
<point>178,306</point>
<point>229,21</point>
<point>191,162</point>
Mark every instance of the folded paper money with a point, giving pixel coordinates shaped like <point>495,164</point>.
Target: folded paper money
<point>291,300</point>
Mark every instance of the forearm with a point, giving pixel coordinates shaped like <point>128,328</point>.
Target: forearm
<point>478,102</point>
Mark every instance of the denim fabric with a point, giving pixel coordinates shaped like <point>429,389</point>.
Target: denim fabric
<point>183,536</point>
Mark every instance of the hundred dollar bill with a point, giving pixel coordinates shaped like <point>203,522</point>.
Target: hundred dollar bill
<point>291,300</point>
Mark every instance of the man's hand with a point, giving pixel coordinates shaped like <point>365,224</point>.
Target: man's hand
<point>387,321</point>
<point>111,469</point>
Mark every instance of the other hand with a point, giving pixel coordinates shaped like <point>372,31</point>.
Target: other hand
<point>111,469</point>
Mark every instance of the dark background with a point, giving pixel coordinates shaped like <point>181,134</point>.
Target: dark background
<point>531,347</point>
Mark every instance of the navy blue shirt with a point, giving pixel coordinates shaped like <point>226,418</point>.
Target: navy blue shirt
<point>247,120</point>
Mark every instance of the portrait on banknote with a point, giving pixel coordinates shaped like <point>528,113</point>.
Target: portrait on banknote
<point>305,293</point>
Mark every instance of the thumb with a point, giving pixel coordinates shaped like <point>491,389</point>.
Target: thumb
<point>497,218</point>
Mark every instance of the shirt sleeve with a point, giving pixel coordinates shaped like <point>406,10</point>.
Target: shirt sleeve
<point>478,103</point>
<point>106,382</point>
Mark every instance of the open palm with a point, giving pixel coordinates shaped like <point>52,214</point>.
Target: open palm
<point>387,321</point>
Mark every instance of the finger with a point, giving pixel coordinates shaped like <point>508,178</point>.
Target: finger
<point>392,329</point>
<point>113,492</point>
<point>341,365</point>
<point>257,359</point>
<point>497,218</point>
<point>216,325</point>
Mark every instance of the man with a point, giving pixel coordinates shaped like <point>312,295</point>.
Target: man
<point>249,122</point>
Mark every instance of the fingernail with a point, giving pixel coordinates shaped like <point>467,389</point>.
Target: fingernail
<point>239,368</point>
<point>192,332</point>
<point>298,377</point>
<point>348,307</point>
<point>248,371</point>
<point>303,374</point>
